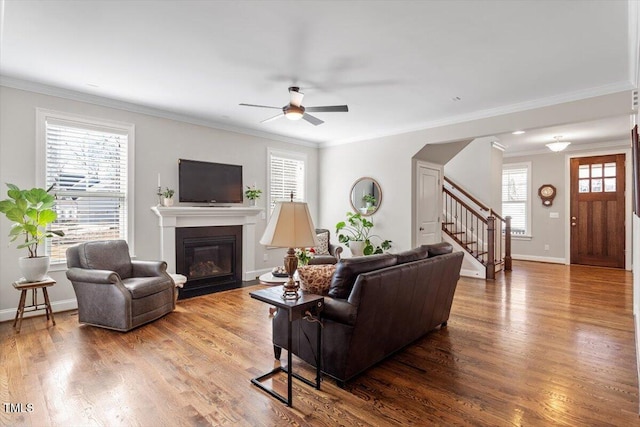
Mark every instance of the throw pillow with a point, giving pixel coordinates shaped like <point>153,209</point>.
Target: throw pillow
<point>323,244</point>
<point>316,278</point>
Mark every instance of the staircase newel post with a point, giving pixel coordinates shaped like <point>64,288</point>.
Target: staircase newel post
<point>491,247</point>
<point>507,243</point>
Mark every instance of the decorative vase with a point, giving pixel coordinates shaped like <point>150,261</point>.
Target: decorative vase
<point>34,269</point>
<point>167,201</point>
<point>356,247</point>
<point>252,202</point>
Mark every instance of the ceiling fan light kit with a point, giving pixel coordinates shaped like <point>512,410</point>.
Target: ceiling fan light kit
<point>295,111</point>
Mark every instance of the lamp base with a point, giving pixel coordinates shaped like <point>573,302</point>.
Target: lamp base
<point>290,288</point>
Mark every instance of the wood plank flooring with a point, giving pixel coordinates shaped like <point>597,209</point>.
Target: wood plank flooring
<point>543,345</point>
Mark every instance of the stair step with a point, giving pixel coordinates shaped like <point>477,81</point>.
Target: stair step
<point>447,223</point>
<point>469,243</point>
<point>457,232</point>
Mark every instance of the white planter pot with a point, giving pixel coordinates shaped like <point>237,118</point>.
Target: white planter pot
<point>34,269</point>
<point>356,248</point>
<point>167,202</point>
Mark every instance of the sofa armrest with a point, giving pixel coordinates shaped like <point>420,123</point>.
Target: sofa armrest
<point>76,274</point>
<point>148,268</point>
<point>336,251</point>
<point>339,310</point>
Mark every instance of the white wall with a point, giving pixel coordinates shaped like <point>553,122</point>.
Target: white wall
<point>159,142</point>
<point>388,159</point>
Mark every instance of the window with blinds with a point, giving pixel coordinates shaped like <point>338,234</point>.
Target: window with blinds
<point>286,176</point>
<point>87,165</point>
<point>516,200</point>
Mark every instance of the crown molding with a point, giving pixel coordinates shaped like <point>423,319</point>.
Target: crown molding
<point>43,89</point>
<point>499,111</point>
<point>572,148</point>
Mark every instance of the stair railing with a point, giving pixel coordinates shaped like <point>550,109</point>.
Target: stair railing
<point>477,228</point>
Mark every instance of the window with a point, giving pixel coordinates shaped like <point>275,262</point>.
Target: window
<point>516,200</point>
<point>287,172</point>
<point>592,177</point>
<point>87,163</point>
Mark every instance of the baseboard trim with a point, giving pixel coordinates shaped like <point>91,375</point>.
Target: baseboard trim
<point>64,305</point>
<point>465,272</point>
<point>535,258</point>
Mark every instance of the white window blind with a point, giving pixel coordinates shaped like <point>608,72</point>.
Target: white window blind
<point>286,175</point>
<point>515,197</point>
<point>87,166</point>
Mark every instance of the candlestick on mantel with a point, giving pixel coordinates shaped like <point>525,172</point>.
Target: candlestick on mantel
<point>158,179</point>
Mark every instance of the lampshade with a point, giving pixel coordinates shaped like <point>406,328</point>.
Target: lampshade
<point>290,226</point>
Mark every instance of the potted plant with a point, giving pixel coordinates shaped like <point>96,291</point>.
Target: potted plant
<point>356,233</point>
<point>31,212</point>
<point>369,200</point>
<point>253,194</point>
<point>167,197</point>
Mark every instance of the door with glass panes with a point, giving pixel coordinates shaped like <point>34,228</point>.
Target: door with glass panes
<point>597,211</point>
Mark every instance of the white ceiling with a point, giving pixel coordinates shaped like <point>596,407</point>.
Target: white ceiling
<point>397,64</point>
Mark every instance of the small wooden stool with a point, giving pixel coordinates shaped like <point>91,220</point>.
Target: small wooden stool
<point>24,286</point>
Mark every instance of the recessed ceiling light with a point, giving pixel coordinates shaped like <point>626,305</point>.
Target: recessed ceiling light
<point>517,132</point>
<point>456,99</point>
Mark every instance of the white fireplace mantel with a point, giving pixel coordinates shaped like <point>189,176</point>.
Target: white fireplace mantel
<point>201,216</point>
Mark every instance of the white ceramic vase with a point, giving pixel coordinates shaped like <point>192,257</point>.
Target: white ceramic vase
<point>34,269</point>
<point>167,201</point>
<point>356,248</point>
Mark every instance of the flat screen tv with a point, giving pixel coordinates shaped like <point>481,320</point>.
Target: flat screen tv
<point>205,182</point>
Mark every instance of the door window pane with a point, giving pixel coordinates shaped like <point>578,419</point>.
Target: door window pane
<point>610,185</point>
<point>583,171</point>
<point>609,169</point>
<point>583,186</point>
<point>596,185</point>
<point>596,171</point>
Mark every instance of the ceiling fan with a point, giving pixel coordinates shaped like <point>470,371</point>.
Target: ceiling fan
<point>295,111</point>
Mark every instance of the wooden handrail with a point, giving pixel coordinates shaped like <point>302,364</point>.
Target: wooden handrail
<point>481,205</point>
<point>466,206</point>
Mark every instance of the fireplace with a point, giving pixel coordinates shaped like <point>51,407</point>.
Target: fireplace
<point>210,257</point>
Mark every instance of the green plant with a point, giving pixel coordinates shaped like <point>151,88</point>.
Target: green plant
<point>31,212</point>
<point>358,229</point>
<point>168,193</point>
<point>252,193</point>
<point>368,198</point>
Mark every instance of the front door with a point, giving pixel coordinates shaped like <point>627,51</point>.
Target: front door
<point>597,210</point>
<point>429,204</point>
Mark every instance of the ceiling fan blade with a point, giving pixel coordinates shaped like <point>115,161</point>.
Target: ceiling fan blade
<point>311,119</point>
<point>296,97</point>
<point>272,118</point>
<point>329,109</point>
<point>260,106</point>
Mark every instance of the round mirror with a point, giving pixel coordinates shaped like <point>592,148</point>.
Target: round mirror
<point>366,196</point>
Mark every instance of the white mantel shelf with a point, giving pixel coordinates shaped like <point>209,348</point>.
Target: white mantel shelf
<point>170,218</point>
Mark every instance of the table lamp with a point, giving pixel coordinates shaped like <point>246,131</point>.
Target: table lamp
<point>290,227</point>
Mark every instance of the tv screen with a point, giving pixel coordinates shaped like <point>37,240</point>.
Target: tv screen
<point>209,182</point>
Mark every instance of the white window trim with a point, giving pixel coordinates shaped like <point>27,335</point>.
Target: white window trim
<point>41,118</point>
<point>520,165</point>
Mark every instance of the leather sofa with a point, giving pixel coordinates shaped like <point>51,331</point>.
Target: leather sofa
<point>114,291</point>
<point>376,305</point>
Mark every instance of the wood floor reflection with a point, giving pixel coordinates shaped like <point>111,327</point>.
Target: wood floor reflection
<point>544,345</point>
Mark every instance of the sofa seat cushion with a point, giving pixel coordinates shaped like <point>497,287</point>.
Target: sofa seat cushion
<point>412,255</point>
<point>111,255</point>
<point>316,278</point>
<point>436,249</point>
<point>347,271</point>
<point>141,287</point>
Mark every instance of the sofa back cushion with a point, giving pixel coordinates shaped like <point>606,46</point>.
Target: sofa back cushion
<point>413,254</point>
<point>112,255</point>
<point>347,271</point>
<point>436,249</point>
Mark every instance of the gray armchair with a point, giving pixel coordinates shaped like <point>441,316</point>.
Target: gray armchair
<point>114,291</point>
<point>334,251</point>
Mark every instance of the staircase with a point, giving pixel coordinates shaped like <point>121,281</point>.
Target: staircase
<point>477,229</point>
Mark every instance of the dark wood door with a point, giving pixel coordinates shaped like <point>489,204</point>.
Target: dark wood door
<point>597,211</point>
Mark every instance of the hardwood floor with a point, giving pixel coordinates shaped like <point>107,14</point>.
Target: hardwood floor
<point>544,345</point>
